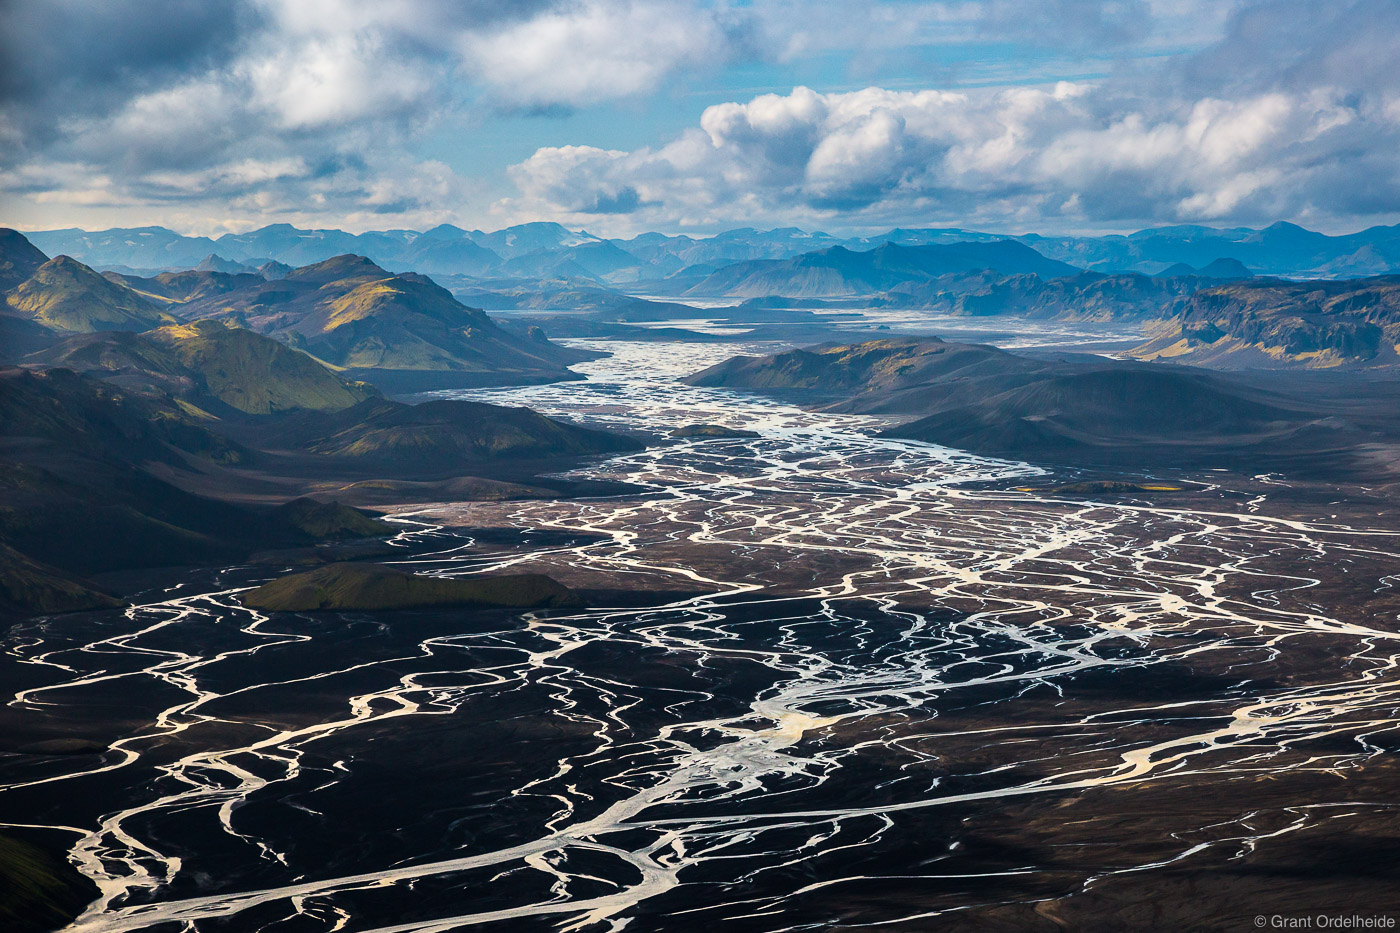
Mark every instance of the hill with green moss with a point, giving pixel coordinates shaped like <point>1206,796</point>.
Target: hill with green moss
<point>353,314</point>
<point>39,890</point>
<point>188,285</point>
<point>27,587</point>
<point>710,432</point>
<point>65,295</point>
<point>326,521</point>
<point>370,587</point>
<point>209,365</point>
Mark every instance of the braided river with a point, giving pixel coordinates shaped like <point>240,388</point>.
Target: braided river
<point>826,680</point>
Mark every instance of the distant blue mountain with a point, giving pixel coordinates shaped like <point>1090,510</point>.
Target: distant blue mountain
<point>838,271</point>
<point>138,247</point>
<point>1282,249</point>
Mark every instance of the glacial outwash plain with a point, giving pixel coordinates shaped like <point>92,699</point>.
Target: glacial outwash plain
<point>736,611</point>
<point>605,466</point>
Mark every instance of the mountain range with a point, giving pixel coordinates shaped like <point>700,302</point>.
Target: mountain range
<point>1279,324</point>
<point>529,250</point>
<point>148,421</point>
<point>345,311</point>
<point>838,271</point>
<point>208,366</point>
<point>412,333</point>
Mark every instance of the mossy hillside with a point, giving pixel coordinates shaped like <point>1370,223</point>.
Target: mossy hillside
<point>39,891</point>
<point>29,587</point>
<point>206,362</point>
<point>256,374</point>
<point>66,295</point>
<point>407,323</point>
<point>710,431</point>
<point>169,288</point>
<point>354,315</point>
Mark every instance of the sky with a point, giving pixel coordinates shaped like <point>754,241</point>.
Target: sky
<point>621,116</point>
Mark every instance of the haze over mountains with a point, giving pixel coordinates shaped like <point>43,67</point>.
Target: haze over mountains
<point>548,249</point>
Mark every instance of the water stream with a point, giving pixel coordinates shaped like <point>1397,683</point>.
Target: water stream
<point>865,666</point>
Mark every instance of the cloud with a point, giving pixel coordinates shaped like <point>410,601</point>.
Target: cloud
<point>179,99</point>
<point>341,110</point>
<point>584,52</point>
<point>1217,137</point>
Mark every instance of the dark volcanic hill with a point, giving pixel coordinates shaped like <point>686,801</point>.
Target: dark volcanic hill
<point>19,259</point>
<point>94,478</point>
<point>1113,414</point>
<point>1088,296</point>
<point>371,587</point>
<point>445,433</point>
<point>65,295</point>
<point>896,375</point>
<point>1086,410</point>
<point>27,586</point>
<point>190,285</point>
<point>210,365</point>
<point>1266,324</point>
<point>838,271</point>
<point>353,314</point>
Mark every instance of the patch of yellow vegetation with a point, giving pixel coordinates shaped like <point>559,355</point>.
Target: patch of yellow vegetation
<point>194,411</point>
<point>1316,359</point>
<point>361,302</point>
<point>1180,348</point>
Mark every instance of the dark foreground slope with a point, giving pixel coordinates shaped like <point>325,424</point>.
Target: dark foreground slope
<point>1091,411</point>
<point>29,586</point>
<point>94,478</point>
<point>39,890</point>
<point>89,483</point>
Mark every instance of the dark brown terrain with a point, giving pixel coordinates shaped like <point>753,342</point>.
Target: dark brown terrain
<point>901,632</point>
